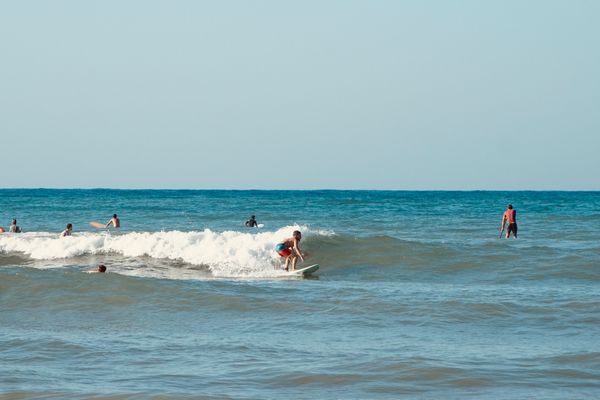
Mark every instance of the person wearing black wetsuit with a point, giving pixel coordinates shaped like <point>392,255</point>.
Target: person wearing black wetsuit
<point>251,223</point>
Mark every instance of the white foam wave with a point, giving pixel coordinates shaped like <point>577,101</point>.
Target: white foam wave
<point>225,254</point>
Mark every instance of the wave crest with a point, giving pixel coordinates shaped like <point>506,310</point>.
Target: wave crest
<point>229,253</point>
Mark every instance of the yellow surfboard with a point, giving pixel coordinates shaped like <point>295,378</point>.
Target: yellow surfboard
<point>97,225</point>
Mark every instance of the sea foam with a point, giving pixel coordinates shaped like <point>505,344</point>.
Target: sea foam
<point>229,253</point>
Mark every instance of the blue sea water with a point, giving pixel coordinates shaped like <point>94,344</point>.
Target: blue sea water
<point>417,296</point>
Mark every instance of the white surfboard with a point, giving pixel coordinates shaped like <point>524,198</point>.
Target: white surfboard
<point>257,225</point>
<point>306,271</point>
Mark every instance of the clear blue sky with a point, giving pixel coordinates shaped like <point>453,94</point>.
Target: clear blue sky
<point>300,95</point>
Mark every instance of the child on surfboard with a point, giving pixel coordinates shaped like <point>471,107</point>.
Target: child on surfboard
<point>290,249</point>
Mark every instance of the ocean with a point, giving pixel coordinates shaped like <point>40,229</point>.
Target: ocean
<point>416,297</point>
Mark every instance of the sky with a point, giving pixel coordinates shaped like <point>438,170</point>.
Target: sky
<point>391,95</point>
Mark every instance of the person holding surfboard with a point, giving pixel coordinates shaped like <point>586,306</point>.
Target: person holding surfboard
<point>510,216</point>
<point>290,249</point>
<point>251,223</point>
<point>114,221</point>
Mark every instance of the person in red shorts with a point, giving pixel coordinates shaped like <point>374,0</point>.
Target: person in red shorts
<point>290,249</point>
<point>510,217</point>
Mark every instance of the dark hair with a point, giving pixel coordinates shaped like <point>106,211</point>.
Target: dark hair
<point>114,215</point>
<point>101,268</point>
<point>254,216</point>
<point>296,233</point>
<point>510,206</point>
<point>14,221</point>
<point>69,226</point>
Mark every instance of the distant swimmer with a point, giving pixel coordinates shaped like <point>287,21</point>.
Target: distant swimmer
<point>510,217</point>
<point>13,227</point>
<point>100,269</point>
<point>290,249</point>
<point>251,223</point>
<point>67,231</point>
<point>114,221</point>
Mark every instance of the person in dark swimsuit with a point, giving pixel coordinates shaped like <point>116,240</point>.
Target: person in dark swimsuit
<point>251,223</point>
<point>13,227</point>
<point>290,249</point>
<point>510,217</point>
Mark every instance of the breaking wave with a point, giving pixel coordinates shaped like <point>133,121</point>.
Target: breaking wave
<point>229,253</point>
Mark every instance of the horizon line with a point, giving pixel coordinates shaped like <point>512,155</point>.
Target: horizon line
<point>301,190</point>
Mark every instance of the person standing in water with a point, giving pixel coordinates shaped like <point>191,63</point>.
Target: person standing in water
<point>13,227</point>
<point>510,217</point>
<point>290,249</point>
<point>251,223</point>
<point>67,231</point>
<point>114,221</point>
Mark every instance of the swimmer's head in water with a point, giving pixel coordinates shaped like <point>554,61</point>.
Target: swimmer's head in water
<point>101,268</point>
<point>69,226</point>
<point>510,206</point>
